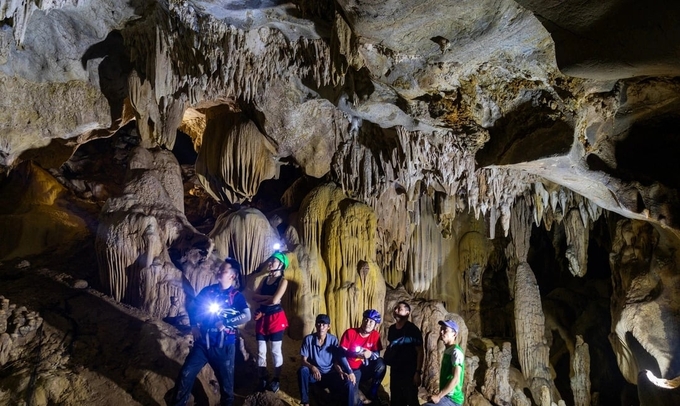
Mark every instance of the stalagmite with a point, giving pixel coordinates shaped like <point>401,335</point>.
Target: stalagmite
<point>137,231</point>
<point>496,385</point>
<point>580,373</point>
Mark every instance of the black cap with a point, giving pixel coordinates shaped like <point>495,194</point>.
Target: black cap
<point>323,318</point>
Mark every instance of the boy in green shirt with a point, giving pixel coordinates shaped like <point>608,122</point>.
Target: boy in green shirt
<point>452,370</point>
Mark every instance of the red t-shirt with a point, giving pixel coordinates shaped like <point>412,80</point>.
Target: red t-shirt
<point>354,344</point>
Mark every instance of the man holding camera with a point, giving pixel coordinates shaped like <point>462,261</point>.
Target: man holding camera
<point>217,311</point>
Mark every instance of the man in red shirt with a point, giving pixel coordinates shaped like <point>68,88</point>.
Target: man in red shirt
<point>360,358</point>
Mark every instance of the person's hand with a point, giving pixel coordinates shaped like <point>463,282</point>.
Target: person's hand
<point>196,333</point>
<point>352,378</point>
<point>435,398</point>
<point>316,373</point>
<point>417,380</point>
<point>367,354</point>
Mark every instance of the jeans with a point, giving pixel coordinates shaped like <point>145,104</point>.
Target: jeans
<point>305,378</point>
<point>222,362</point>
<point>445,401</point>
<point>403,391</point>
<point>375,370</point>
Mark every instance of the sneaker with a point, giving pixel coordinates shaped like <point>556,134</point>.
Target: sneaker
<point>261,385</point>
<point>274,385</point>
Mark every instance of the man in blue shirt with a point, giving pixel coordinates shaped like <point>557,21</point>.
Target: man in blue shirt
<point>318,353</point>
<point>217,312</point>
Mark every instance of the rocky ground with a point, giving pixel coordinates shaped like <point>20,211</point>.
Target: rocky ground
<point>63,342</point>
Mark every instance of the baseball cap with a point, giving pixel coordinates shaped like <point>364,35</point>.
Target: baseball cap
<point>323,318</point>
<point>449,323</point>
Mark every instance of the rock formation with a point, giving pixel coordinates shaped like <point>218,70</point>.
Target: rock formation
<point>506,163</point>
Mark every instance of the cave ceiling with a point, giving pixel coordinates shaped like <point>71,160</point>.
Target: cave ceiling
<point>580,95</point>
<point>393,117</point>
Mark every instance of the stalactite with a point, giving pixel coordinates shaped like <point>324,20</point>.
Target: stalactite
<point>245,235</point>
<point>221,60</point>
<point>393,232</point>
<point>473,254</point>
<point>425,249</point>
<point>577,242</point>
<point>314,210</point>
<point>580,373</point>
<point>235,158</point>
<point>348,248</point>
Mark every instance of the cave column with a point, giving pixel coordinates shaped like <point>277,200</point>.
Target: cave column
<point>532,348</point>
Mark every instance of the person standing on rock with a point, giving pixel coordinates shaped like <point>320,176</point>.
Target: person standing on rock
<point>452,370</point>
<point>215,314</point>
<point>404,355</point>
<point>271,320</point>
<point>360,358</point>
<point>318,353</point>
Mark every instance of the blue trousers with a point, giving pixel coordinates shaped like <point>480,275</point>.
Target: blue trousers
<point>305,378</point>
<point>222,362</point>
<point>375,371</point>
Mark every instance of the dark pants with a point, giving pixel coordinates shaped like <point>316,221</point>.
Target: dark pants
<point>403,391</point>
<point>374,371</point>
<point>305,378</point>
<point>222,362</point>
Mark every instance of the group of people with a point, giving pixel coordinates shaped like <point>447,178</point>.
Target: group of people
<point>341,366</point>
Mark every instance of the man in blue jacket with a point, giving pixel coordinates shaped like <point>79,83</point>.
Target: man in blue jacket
<point>217,311</point>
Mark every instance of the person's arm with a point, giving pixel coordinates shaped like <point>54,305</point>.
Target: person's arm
<point>240,313</point>
<point>257,296</point>
<point>276,298</point>
<point>449,386</point>
<point>197,309</point>
<point>316,373</point>
<point>420,356</point>
<point>342,361</point>
<point>377,347</point>
<point>241,318</point>
<point>417,378</point>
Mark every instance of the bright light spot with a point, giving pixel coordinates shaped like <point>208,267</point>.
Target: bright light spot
<point>277,246</point>
<point>214,308</point>
<point>358,350</point>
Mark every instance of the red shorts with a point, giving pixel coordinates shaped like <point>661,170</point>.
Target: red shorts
<point>271,323</point>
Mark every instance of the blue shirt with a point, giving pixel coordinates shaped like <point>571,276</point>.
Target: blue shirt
<point>230,299</point>
<point>320,356</point>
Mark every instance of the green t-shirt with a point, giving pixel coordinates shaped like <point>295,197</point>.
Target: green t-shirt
<point>453,357</point>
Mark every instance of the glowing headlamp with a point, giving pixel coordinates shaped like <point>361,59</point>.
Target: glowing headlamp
<point>276,246</point>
